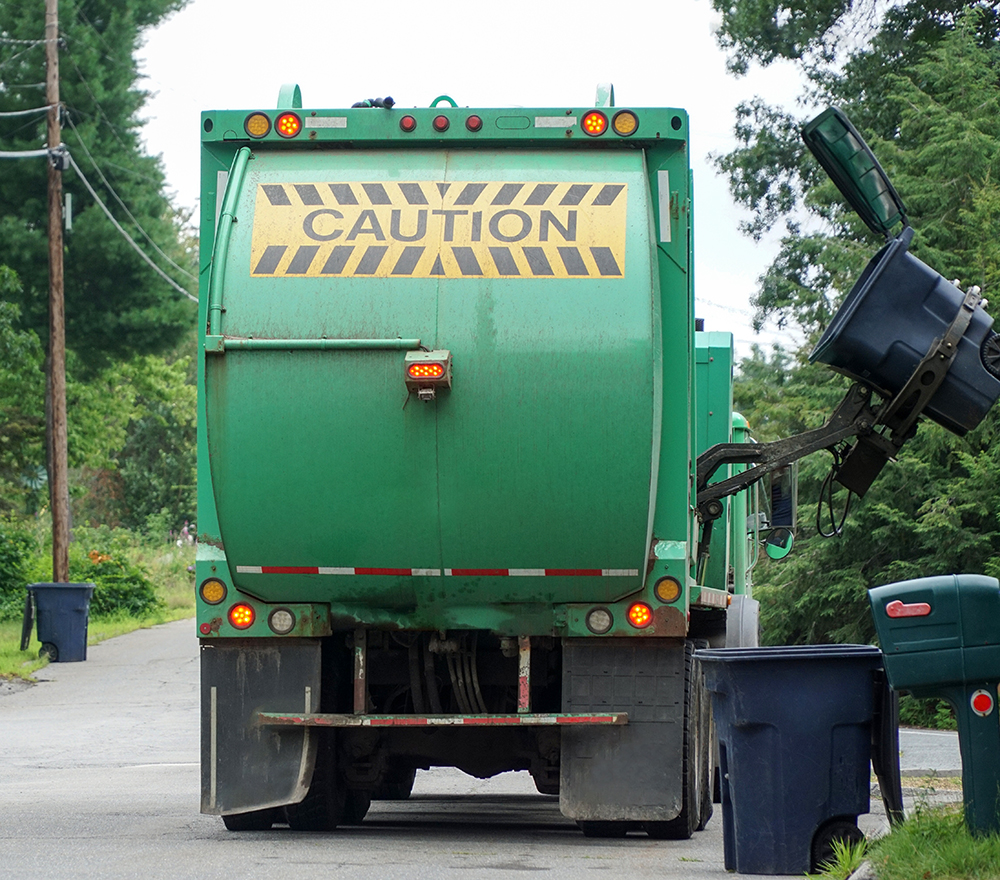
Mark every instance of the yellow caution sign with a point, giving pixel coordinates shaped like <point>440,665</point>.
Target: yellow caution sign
<point>427,229</point>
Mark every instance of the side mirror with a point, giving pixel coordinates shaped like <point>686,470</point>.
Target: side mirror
<point>852,166</point>
<point>779,543</point>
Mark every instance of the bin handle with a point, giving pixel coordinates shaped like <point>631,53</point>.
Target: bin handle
<point>898,609</point>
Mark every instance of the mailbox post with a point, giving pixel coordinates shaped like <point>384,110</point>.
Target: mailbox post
<point>941,638</point>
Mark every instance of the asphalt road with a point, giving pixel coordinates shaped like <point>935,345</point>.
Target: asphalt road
<point>100,780</point>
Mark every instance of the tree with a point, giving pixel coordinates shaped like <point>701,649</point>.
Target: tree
<point>935,510</point>
<point>116,305</point>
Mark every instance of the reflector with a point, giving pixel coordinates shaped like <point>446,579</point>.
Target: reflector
<point>407,123</point>
<point>441,123</point>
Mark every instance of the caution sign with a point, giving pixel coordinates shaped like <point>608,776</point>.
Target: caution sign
<point>427,229</point>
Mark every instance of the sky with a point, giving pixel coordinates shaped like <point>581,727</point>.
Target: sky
<point>217,54</point>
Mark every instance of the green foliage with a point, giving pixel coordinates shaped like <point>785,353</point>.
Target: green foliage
<point>22,391</point>
<point>934,714</point>
<point>115,304</point>
<point>934,844</point>
<point>17,546</point>
<point>847,858</point>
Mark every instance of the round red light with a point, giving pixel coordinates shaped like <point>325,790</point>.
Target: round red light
<point>594,123</point>
<point>205,628</point>
<point>474,123</point>
<point>640,615</point>
<point>982,703</point>
<point>407,123</point>
<point>241,616</point>
<point>288,125</point>
<point>441,123</point>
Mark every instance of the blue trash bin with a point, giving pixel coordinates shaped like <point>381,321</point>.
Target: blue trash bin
<point>795,743</point>
<point>888,322</point>
<point>63,612</point>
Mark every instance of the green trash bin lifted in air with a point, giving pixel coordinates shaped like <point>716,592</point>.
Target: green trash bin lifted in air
<point>941,638</point>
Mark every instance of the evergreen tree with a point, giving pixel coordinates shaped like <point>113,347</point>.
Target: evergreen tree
<point>116,305</point>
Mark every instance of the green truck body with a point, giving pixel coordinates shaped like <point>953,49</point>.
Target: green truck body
<point>451,397</point>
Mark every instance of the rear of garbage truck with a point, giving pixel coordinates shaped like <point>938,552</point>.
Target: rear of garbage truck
<point>449,408</point>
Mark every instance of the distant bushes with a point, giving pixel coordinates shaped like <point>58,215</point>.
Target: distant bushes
<point>98,556</point>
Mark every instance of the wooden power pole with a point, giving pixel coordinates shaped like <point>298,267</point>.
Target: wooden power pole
<point>57,440</point>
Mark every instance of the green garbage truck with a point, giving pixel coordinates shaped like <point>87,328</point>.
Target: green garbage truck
<point>471,487</point>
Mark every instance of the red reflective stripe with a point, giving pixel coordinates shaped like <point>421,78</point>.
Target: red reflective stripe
<point>289,569</point>
<point>395,571</point>
<point>573,572</point>
<point>480,572</point>
<point>416,721</point>
<point>898,609</point>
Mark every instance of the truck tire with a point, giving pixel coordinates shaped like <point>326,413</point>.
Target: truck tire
<point>397,784</point>
<point>592,828</point>
<point>694,768</point>
<point>323,807</point>
<point>255,820</point>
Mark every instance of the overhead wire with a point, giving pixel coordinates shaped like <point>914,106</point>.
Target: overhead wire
<point>125,234</point>
<point>118,199</point>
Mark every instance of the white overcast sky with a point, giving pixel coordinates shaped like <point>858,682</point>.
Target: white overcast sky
<point>219,54</point>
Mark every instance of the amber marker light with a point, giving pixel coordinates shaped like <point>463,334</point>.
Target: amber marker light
<point>407,123</point>
<point>667,589</point>
<point>288,125</point>
<point>640,615</point>
<point>212,591</point>
<point>595,123</point>
<point>257,125</point>
<point>241,616</point>
<point>625,122</point>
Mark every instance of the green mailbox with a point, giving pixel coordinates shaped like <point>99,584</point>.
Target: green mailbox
<point>941,638</point>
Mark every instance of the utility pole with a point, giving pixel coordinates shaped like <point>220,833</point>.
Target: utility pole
<point>57,435</point>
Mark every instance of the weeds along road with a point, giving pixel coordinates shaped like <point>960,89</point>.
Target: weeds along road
<point>100,780</point>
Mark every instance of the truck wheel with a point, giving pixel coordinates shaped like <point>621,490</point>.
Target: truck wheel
<point>692,767</point>
<point>323,807</point>
<point>592,828</point>
<point>397,784</point>
<point>356,805</point>
<point>255,820</point>
<point>843,829</point>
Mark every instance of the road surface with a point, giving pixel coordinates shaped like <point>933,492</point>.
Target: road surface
<point>100,781</point>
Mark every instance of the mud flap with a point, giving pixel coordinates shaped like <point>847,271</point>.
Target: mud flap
<point>633,772</point>
<point>245,766</point>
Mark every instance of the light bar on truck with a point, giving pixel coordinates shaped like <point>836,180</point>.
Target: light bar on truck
<point>425,371</point>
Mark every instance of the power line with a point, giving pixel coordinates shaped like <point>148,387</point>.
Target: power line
<point>25,112</point>
<point>111,190</point>
<point>125,234</point>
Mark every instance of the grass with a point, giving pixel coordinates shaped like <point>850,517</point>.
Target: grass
<point>166,565</point>
<point>934,844</point>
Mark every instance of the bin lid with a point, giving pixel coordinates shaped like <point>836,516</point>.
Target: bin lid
<point>852,166</point>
